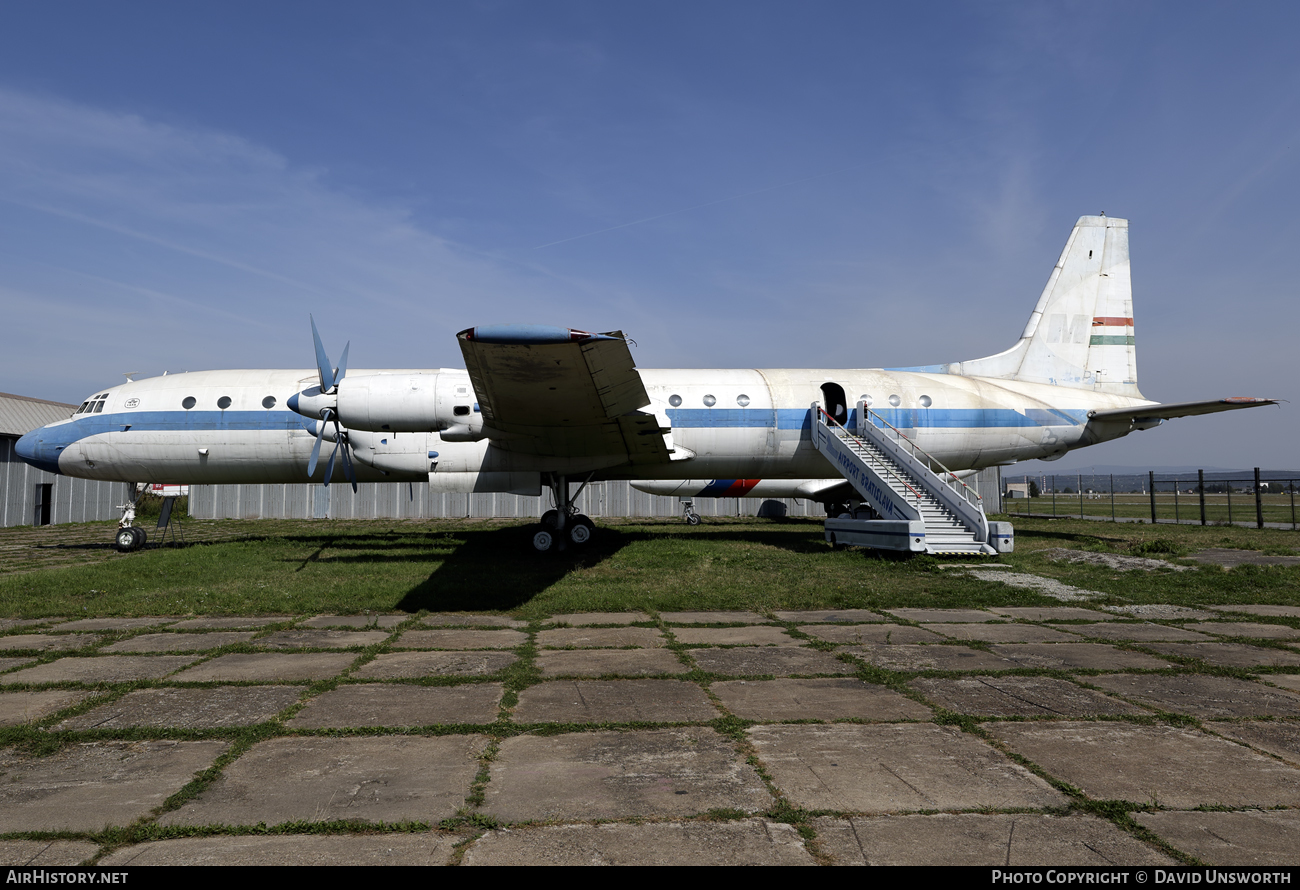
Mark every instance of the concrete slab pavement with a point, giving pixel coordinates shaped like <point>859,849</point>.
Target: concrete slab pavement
<point>410,749</point>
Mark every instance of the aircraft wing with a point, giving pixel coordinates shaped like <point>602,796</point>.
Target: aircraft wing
<point>561,393</point>
<point>1140,413</point>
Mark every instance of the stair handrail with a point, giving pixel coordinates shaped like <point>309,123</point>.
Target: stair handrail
<point>931,461</point>
<point>901,479</point>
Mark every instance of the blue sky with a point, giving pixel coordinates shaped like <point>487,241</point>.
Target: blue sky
<point>732,184</point>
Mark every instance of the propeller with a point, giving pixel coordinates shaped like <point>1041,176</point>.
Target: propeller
<point>329,380</point>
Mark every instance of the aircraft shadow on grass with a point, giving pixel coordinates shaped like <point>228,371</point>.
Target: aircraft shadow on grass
<point>488,569</point>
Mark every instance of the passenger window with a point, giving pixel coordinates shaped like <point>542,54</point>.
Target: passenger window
<point>223,403</point>
<point>710,401</point>
<point>742,400</point>
<point>675,401</point>
<point>189,402</point>
<point>268,402</point>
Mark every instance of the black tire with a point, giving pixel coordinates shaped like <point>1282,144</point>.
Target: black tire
<point>550,519</point>
<point>693,519</point>
<point>544,540</point>
<point>124,540</point>
<point>580,532</point>
<point>142,537</point>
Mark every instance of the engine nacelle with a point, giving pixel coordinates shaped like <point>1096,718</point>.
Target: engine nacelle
<point>417,402</point>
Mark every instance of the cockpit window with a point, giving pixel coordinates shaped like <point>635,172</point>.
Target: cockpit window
<point>93,405</point>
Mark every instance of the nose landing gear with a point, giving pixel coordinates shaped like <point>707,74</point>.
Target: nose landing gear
<point>688,512</point>
<point>130,537</point>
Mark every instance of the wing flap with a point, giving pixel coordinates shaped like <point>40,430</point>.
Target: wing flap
<point>561,393</point>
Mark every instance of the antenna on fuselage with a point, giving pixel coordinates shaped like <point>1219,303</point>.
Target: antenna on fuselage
<point>128,375</point>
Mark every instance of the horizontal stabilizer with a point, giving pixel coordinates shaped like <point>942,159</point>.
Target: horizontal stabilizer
<point>1177,409</point>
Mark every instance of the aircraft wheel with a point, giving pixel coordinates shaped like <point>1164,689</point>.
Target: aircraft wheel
<point>142,536</point>
<point>127,539</point>
<point>693,519</point>
<point>581,530</point>
<point>543,540</point>
<point>551,518</point>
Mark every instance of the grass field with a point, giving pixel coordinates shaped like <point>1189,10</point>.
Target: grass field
<point>1183,507</point>
<point>294,567</point>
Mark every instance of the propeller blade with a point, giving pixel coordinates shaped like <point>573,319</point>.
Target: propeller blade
<point>329,467</point>
<point>343,364</point>
<point>348,470</point>
<point>315,453</point>
<point>322,360</point>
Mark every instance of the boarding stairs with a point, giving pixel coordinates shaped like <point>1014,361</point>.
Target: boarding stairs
<point>921,504</point>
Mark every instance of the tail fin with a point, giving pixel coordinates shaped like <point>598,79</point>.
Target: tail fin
<point>1081,332</point>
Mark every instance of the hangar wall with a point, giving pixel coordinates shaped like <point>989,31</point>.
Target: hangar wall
<point>69,500</point>
<point>402,500</point>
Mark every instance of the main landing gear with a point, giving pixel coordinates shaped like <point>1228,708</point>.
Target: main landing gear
<point>564,525</point>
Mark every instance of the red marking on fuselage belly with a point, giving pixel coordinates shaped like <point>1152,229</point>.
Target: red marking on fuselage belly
<point>1112,321</point>
<point>741,487</point>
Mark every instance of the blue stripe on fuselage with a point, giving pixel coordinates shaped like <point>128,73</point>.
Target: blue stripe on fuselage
<point>184,420</point>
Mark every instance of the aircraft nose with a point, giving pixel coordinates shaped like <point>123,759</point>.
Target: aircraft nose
<point>28,445</point>
<point>32,448</point>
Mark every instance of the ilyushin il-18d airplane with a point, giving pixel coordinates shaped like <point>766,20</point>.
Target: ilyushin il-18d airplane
<point>541,406</point>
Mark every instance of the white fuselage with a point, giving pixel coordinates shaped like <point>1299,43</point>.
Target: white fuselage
<point>738,424</point>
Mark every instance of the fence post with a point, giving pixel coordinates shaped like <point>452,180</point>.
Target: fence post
<point>1112,497</point>
<point>1053,495</point>
<point>1200,487</point>
<point>1259,502</point>
<point>1079,482</point>
<point>1151,487</point>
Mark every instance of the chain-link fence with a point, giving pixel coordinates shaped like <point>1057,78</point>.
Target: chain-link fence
<point>1262,498</point>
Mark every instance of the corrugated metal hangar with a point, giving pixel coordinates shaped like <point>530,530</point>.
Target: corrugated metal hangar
<point>29,496</point>
<point>402,500</point>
